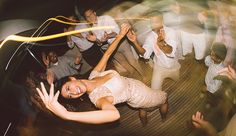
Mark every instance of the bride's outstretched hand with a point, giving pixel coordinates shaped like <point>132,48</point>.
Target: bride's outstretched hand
<point>51,101</point>
<point>124,29</point>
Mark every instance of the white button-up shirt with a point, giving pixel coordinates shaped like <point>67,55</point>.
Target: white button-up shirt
<point>105,21</point>
<point>82,43</point>
<point>160,58</point>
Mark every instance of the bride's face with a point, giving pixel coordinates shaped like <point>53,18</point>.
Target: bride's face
<point>73,89</point>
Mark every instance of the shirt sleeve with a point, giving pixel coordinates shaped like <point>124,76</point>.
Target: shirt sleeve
<point>148,46</point>
<point>171,39</point>
<point>173,44</point>
<point>71,44</point>
<point>208,61</point>
<point>111,22</point>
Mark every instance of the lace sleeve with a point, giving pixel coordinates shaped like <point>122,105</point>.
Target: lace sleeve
<point>99,93</point>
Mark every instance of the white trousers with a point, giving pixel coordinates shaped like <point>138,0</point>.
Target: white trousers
<point>196,41</point>
<point>161,73</point>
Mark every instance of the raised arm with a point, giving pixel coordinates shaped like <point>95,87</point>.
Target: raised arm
<point>199,122</point>
<point>103,62</point>
<point>133,38</point>
<point>108,112</point>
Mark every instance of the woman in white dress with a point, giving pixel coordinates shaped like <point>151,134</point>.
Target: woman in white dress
<point>105,89</point>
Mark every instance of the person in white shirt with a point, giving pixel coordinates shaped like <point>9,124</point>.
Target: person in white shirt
<point>192,33</point>
<point>124,55</point>
<point>101,37</point>
<point>90,51</point>
<point>214,63</point>
<point>161,41</point>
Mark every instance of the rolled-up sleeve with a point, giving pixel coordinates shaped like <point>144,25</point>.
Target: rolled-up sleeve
<point>208,61</point>
<point>148,45</point>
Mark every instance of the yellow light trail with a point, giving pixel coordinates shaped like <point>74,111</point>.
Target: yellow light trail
<point>130,18</point>
<point>42,38</point>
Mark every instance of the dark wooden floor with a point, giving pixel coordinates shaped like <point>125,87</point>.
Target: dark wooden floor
<point>184,99</point>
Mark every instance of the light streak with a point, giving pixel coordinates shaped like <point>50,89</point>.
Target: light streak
<point>42,38</point>
<point>135,18</point>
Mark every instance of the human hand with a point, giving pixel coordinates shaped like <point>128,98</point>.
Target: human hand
<point>105,37</point>
<point>229,72</point>
<point>91,37</point>
<point>51,101</point>
<point>124,29</point>
<point>199,122</point>
<point>132,36</point>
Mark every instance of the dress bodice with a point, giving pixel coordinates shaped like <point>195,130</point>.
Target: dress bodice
<point>116,87</point>
<point>122,89</point>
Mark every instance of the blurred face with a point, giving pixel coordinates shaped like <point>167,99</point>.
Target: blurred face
<point>175,8</point>
<point>53,57</point>
<point>156,23</point>
<point>90,16</point>
<point>73,89</point>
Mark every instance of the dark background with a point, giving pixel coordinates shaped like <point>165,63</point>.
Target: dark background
<point>44,9</point>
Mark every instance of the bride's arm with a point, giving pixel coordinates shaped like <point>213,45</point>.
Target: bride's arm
<point>103,62</point>
<point>108,112</point>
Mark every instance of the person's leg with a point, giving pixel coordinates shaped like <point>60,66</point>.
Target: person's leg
<point>164,110</point>
<point>119,57</point>
<point>174,73</point>
<point>126,50</point>
<point>93,55</point>
<point>157,77</point>
<point>200,46</point>
<point>186,40</point>
<point>143,117</point>
<point>179,48</point>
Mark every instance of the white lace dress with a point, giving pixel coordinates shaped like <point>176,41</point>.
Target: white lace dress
<point>122,89</point>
